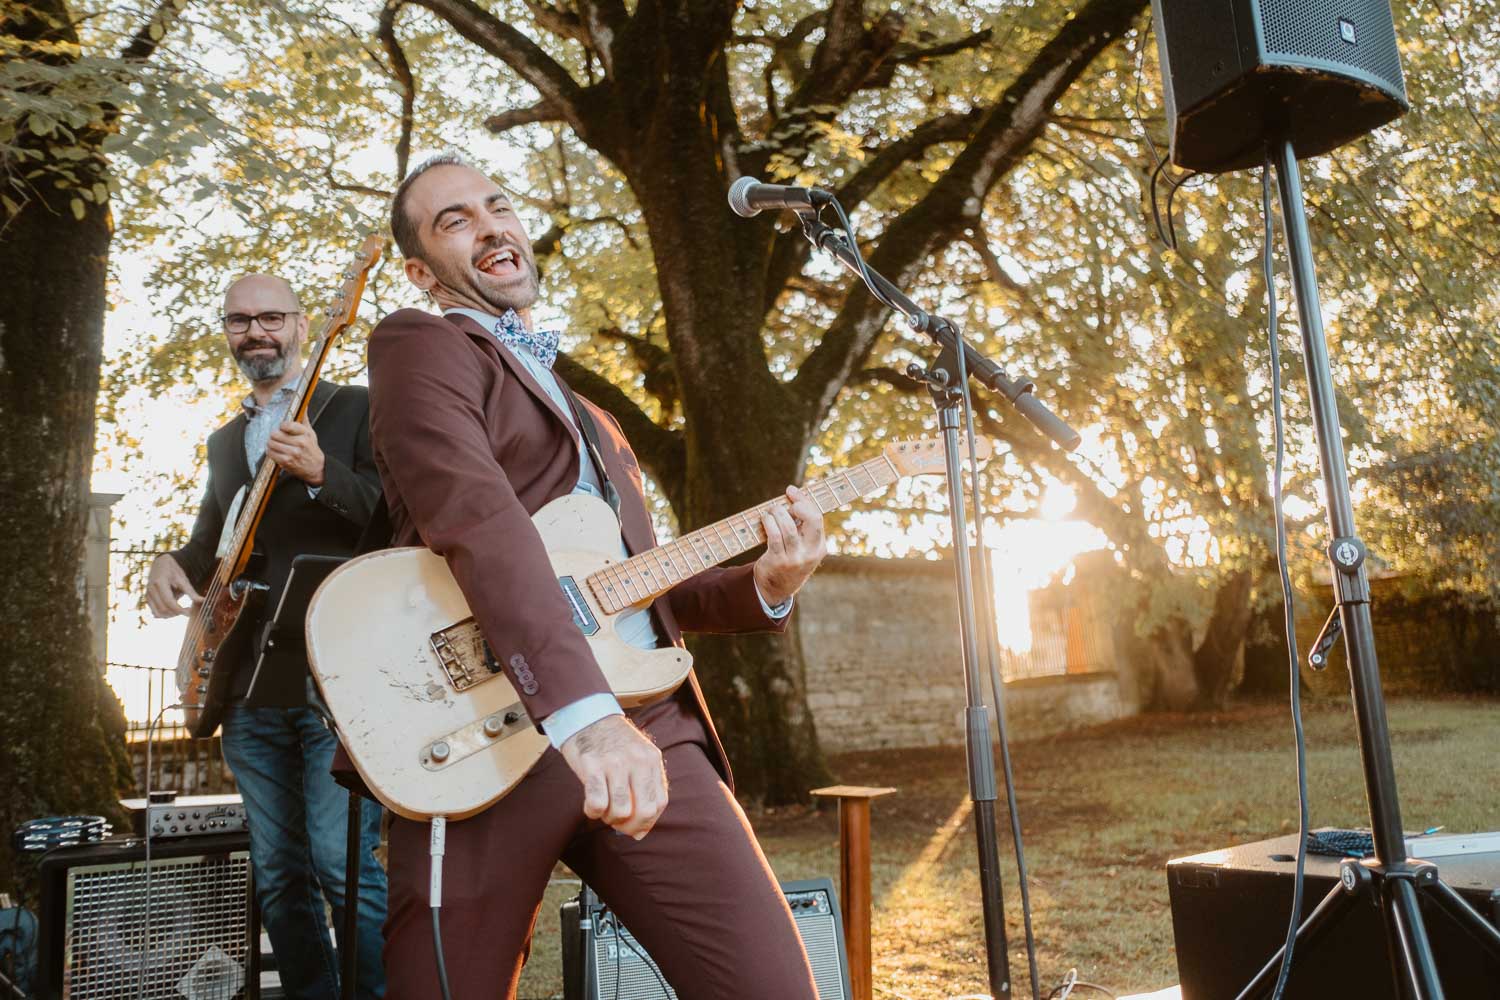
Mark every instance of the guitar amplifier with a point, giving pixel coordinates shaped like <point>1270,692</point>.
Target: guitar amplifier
<point>603,961</point>
<point>114,927</point>
<point>168,814</point>
<point>1230,910</point>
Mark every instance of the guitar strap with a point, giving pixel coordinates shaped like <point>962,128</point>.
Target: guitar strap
<point>591,437</point>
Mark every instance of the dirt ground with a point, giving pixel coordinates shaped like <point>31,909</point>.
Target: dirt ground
<point>1102,810</point>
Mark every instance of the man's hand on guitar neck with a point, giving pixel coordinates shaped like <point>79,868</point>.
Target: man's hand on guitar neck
<point>166,585</point>
<point>624,781</point>
<point>794,547</point>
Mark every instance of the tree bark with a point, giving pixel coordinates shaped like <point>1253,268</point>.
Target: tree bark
<point>663,114</point>
<point>63,725</point>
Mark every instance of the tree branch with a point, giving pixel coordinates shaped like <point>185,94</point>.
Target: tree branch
<point>955,203</point>
<point>401,70</point>
<point>541,111</point>
<point>915,55</point>
<point>510,46</point>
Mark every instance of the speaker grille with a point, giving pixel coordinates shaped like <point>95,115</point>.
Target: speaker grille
<point>623,969</point>
<point>192,942</point>
<point>1315,29</point>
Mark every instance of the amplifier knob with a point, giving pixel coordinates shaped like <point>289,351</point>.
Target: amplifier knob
<point>195,814</point>
<point>174,828</point>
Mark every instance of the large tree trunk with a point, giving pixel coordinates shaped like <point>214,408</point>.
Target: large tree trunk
<point>1220,655</point>
<point>56,712</point>
<point>756,685</point>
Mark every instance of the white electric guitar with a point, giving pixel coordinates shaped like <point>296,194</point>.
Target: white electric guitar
<point>422,708</point>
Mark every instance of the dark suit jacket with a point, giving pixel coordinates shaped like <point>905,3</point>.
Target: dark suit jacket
<point>469,447</point>
<point>294,523</point>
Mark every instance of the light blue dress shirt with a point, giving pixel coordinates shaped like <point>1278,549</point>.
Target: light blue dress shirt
<point>635,626</point>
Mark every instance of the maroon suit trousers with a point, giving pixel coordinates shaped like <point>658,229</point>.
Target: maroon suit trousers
<point>696,891</point>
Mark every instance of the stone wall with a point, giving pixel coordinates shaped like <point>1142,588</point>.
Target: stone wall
<point>1425,644</point>
<point>884,668</point>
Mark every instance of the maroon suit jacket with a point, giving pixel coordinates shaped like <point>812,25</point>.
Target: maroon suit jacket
<point>469,447</point>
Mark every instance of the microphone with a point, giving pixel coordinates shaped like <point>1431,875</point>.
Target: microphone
<point>749,197</point>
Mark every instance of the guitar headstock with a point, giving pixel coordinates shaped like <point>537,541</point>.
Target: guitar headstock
<point>925,455</point>
<point>346,304</point>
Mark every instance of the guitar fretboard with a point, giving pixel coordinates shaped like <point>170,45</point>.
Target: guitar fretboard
<point>647,576</point>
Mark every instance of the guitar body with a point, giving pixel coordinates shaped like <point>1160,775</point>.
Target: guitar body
<point>432,725</point>
<point>207,663</point>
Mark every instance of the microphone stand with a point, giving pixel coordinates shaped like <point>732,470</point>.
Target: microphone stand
<point>947,380</point>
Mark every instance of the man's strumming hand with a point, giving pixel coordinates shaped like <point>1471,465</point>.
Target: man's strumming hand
<point>167,584</point>
<point>794,547</point>
<point>294,447</point>
<point>624,781</point>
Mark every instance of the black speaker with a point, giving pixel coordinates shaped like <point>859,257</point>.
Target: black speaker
<point>114,927</point>
<point>1241,73</point>
<point>603,961</point>
<point>1230,910</point>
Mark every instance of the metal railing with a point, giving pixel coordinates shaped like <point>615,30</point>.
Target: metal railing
<point>177,761</point>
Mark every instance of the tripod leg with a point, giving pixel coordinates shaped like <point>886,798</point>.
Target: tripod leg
<point>1468,918</point>
<point>1411,950</point>
<point>1327,913</point>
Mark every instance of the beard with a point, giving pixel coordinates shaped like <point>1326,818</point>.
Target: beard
<point>500,294</point>
<point>262,369</point>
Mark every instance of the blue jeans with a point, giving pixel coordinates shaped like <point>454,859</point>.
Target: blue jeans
<point>298,829</point>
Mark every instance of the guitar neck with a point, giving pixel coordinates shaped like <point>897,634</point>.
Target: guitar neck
<point>647,576</point>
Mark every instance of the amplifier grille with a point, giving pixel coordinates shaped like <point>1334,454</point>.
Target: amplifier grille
<point>1314,29</point>
<point>193,942</point>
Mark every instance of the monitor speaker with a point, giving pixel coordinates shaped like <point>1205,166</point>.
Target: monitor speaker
<point>603,961</point>
<point>113,926</point>
<point>1230,910</point>
<point>1239,74</point>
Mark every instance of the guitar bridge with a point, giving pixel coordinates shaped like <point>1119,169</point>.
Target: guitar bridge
<point>465,656</point>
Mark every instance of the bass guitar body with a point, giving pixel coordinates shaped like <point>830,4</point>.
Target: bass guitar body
<point>207,665</point>
<point>432,724</point>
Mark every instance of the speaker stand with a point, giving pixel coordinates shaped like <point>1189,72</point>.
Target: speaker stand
<point>1390,880</point>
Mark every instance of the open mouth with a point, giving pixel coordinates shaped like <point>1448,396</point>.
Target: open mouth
<point>500,263</point>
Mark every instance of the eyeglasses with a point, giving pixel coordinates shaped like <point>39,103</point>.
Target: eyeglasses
<point>269,321</point>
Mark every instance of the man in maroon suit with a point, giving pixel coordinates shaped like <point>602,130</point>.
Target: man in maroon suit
<point>472,434</point>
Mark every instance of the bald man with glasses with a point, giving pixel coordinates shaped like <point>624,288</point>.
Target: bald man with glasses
<point>274,737</point>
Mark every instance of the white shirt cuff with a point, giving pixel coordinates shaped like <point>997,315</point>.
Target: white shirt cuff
<point>777,613</point>
<point>313,491</point>
<point>579,715</point>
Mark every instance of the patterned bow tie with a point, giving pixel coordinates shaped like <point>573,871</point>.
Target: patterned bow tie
<point>542,344</point>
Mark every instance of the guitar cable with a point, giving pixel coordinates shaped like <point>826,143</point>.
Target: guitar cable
<point>436,843</point>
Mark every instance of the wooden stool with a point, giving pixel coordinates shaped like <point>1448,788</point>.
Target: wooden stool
<point>854,879</point>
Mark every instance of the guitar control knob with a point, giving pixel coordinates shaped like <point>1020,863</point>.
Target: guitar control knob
<point>203,689</point>
<point>440,751</point>
<point>494,726</point>
<point>208,655</point>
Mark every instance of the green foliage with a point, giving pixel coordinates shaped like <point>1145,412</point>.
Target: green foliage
<point>1159,354</point>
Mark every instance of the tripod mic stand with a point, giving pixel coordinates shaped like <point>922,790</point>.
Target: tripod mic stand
<point>1390,879</point>
<point>947,381</point>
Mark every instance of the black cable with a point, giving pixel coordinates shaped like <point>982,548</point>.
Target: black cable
<point>437,951</point>
<point>996,686</point>
<point>1161,231</point>
<point>621,937</point>
<point>1288,599</point>
<point>1173,187</point>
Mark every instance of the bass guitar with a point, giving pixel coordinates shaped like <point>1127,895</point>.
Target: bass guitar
<point>220,630</point>
<point>420,703</point>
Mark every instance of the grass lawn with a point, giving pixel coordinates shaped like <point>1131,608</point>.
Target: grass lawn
<point>1103,810</point>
